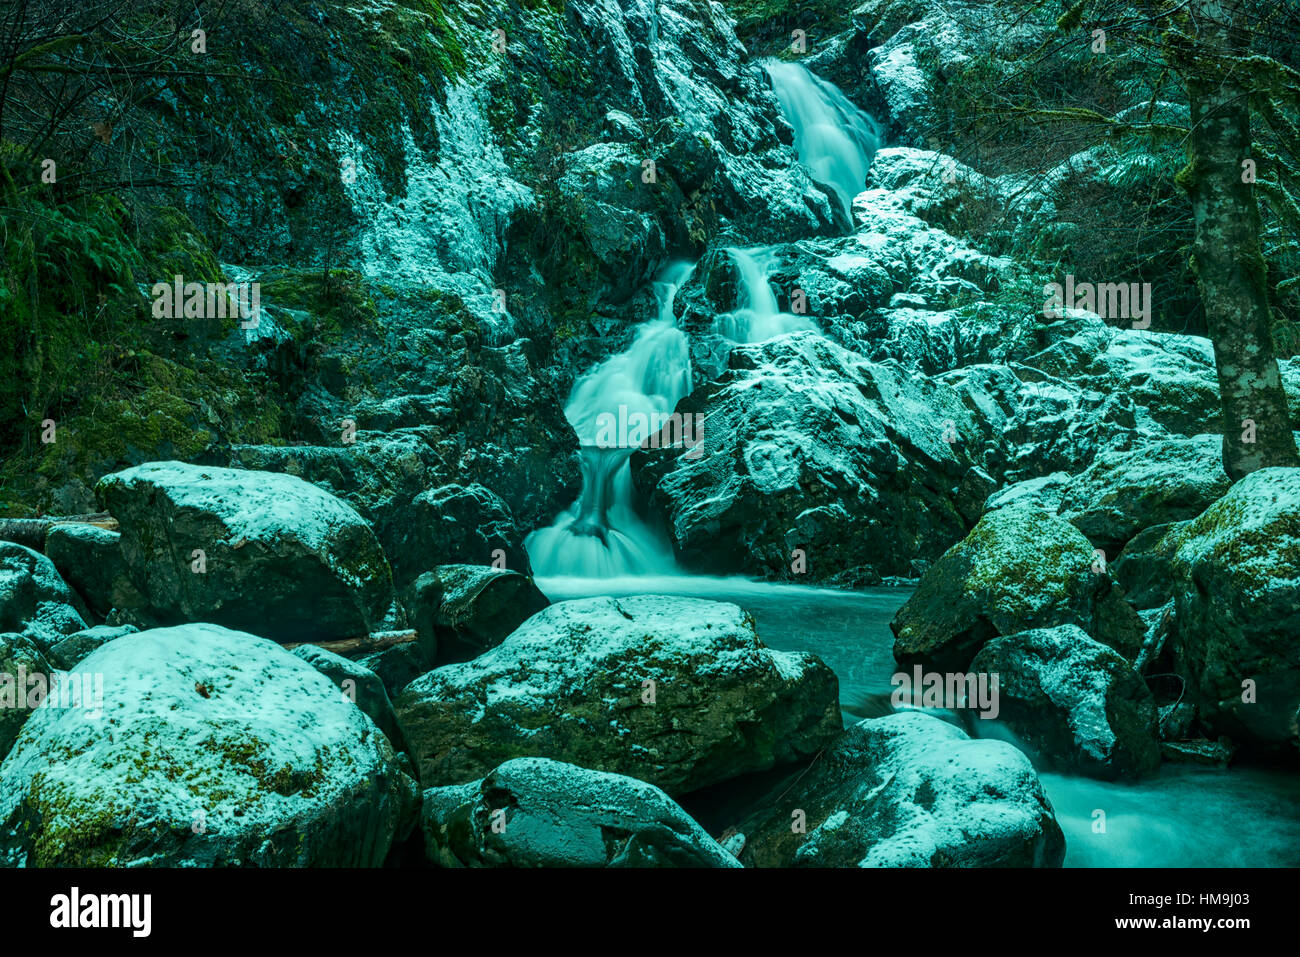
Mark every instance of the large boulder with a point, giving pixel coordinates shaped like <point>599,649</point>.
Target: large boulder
<point>212,748</point>
<point>1019,569</point>
<point>1075,703</point>
<point>359,685</point>
<point>90,560</point>
<point>23,669</point>
<point>678,692</point>
<point>1143,483</point>
<point>907,790</point>
<point>34,600</point>
<point>282,558</point>
<point>461,611</point>
<point>534,812</point>
<point>802,439</point>
<point>1237,609</point>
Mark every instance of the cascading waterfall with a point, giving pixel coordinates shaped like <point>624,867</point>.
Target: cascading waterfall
<point>833,138</point>
<point>601,535</point>
<point>758,317</point>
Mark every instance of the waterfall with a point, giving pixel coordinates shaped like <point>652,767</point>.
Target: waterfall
<point>758,317</point>
<point>601,535</point>
<point>833,138</point>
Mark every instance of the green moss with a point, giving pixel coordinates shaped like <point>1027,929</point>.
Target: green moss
<point>171,245</point>
<point>152,408</point>
<point>335,301</point>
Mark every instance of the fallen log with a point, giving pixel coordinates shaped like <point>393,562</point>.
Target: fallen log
<point>32,531</point>
<point>366,644</point>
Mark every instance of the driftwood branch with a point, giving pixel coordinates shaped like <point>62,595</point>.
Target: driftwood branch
<point>32,531</point>
<point>366,644</point>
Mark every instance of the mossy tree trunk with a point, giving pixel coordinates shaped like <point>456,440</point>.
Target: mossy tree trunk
<point>1228,261</point>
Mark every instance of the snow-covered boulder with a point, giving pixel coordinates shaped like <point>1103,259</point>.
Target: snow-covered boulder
<point>34,600</point>
<point>1075,703</point>
<point>906,790</point>
<point>279,557</point>
<point>1134,485</point>
<point>1044,492</point>
<point>201,746</point>
<point>801,441</point>
<point>1236,579</point>
<point>534,812</point>
<point>678,692</point>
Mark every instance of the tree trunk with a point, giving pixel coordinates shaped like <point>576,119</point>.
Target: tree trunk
<point>1227,258</point>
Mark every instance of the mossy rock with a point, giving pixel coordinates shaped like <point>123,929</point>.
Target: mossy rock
<point>1236,577</point>
<point>678,692</point>
<point>214,748</point>
<point>1018,569</point>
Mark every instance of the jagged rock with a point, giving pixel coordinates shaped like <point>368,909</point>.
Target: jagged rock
<point>462,611</point>
<point>1129,489</point>
<point>20,660</point>
<point>1076,703</point>
<point>534,812</point>
<point>975,488</point>
<point>454,524</point>
<point>1039,424</point>
<point>616,212</point>
<point>1145,567</point>
<point>918,257</point>
<point>397,666</point>
<point>802,440</point>
<point>1237,610</point>
<point>69,652</point>
<point>359,685</point>
<point>575,682</point>
<point>90,560</point>
<point>283,558</point>
<point>907,790</point>
<point>34,600</point>
<point>1170,378</point>
<point>214,748</point>
<point>1019,569</point>
<point>1044,492</point>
